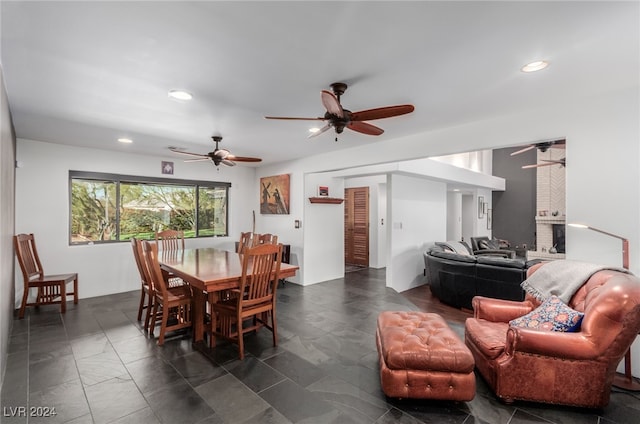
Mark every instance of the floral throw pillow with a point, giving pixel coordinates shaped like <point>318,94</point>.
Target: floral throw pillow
<point>551,315</point>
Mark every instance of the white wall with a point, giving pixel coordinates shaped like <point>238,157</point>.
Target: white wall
<point>417,217</point>
<point>454,215</point>
<point>7,216</point>
<point>383,223</point>
<point>324,232</point>
<point>42,208</point>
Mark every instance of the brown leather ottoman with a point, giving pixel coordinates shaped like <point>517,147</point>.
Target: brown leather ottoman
<point>422,358</point>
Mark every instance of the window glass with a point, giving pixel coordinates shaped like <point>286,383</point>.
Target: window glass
<point>93,211</point>
<point>119,207</point>
<point>212,212</point>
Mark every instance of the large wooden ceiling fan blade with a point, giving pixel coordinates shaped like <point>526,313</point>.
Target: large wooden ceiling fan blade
<point>331,103</point>
<point>242,158</point>
<point>381,112</point>
<point>364,128</point>
<point>197,160</point>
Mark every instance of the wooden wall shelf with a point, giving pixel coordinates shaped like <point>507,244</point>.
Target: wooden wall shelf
<point>329,200</point>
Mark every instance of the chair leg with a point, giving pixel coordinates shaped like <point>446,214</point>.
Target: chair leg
<point>163,325</point>
<point>213,327</point>
<point>75,291</point>
<point>240,338</point>
<point>154,314</point>
<point>63,297</point>
<point>141,306</point>
<point>274,327</point>
<point>23,305</point>
<point>147,318</point>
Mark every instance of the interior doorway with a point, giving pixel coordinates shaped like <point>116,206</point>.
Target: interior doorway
<point>356,226</point>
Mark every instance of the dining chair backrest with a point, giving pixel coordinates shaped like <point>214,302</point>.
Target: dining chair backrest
<point>170,240</point>
<point>138,255</point>
<point>27,253</point>
<point>246,239</point>
<point>156,278</point>
<point>260,274</point>
<point>265,239</point>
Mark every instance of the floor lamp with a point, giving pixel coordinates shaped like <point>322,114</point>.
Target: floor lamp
<point>625,381</point>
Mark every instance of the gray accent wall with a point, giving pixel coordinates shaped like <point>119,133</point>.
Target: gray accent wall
<point>514,209</point>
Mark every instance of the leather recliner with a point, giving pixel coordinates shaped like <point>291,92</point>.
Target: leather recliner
<point>568,368</point>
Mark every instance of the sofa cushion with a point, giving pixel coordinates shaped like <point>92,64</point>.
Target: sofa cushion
<point>489,337</point>
<point>455,246</point>
<point>444,254</point>
<point>518,263</point>
<point>551,315</point>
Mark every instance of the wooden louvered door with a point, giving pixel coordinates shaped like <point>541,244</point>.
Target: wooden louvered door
<point>356,226</point>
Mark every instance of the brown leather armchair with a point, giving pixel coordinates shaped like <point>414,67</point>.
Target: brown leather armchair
<point>568,368</point>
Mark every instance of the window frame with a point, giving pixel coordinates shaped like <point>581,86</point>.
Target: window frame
<point>136,179</point>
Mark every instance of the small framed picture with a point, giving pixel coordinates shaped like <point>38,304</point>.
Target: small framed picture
<point>480,206</point>
<point>489,218</point>
<point>323,191</point>
<point>167,167</point>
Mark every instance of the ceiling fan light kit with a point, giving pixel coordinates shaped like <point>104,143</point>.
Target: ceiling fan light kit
<point>338,118</point>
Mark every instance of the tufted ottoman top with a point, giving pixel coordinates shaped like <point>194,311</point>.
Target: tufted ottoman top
<point>421,341</point>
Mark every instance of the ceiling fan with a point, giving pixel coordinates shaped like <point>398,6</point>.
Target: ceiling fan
<point>548,162</point>
<point>339,118</point>
<point>543,146</point>
<point>218,156</point>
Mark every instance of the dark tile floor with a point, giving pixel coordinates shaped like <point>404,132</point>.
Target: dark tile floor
<point>95,365</point>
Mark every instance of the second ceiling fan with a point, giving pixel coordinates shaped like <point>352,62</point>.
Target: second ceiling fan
<point>218,156</point>
<point>338,118</point>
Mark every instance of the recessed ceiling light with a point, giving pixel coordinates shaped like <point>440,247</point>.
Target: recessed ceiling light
<point>125,140</point>
<point>180,95</point>
<point>538,65</point>
<point>314,130</point>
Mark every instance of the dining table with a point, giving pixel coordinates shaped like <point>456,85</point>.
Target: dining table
<point>209,271</point>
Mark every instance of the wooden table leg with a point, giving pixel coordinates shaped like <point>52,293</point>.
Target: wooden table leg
<point>198,315</point>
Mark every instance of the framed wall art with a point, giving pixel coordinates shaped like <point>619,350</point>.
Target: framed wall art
<point>274,195</point>
<point>480,206</point>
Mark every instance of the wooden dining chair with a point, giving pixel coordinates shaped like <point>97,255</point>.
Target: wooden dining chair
<point>175,302</point>
<point>265,239</point>
<point>255,298</point>
<point>146,290</point>
<point>171,242</point>
<point>52,289</point>
<point>245,241</point>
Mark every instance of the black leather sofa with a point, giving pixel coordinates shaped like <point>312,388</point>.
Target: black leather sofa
<point>456,278</point>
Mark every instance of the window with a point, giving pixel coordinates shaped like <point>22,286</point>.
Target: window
<point>111,208</point>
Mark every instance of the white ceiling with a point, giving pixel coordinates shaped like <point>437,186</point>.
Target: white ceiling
<point>87,73</point>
